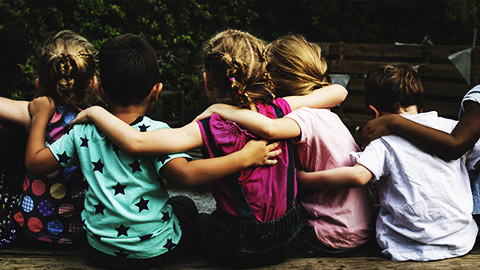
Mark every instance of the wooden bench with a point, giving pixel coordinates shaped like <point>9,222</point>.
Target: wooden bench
<point>368,257</point>
<point>444,85</point>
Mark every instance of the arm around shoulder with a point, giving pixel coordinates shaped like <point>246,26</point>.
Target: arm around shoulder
<point>341,177</point>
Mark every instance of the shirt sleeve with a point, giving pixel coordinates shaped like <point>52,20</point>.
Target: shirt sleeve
<point>472,95</point>
<point>64,149</point>
<point>374,158</point>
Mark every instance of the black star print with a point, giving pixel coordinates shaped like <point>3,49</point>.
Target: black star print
<point>63,158</point>
<point>99,208</point>
<point>119,189</point>
<point>84,142</point>
<point>121,254</point>
<point>98,166</point>
<point>143,128</point>
<point>166,216</point>
<point>122,230</point>
<point>163,158</point>
<point>169,245</point>
<point>83,223</point>
<point>145,237</point>
<point>142,205</point>
<point>135,165</point>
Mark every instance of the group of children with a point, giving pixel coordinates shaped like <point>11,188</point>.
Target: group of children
<point>98,184</point>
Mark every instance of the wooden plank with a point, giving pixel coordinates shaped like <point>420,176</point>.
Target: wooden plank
<point>437,53</point>
<point>425,70</point>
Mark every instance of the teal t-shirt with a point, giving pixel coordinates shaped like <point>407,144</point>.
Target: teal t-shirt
<point>126,213</point>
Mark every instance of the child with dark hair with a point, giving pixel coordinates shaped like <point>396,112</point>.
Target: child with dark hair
<point>13,137</point>
<point>129,218</point>
<point>425,202</point>
<point>257,220</point>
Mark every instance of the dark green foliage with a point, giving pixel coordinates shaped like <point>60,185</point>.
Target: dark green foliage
<point>178,28</point>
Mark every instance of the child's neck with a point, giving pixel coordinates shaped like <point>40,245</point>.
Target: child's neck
<point>410,110</point>
<point>128,114</point>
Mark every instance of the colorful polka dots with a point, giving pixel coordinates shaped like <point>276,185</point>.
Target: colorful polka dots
<point>34,224</point>
<point>45,208</point>
<point>66,210</point>
<point>26,183</point>
<point>58,191</point>
<point>19,218</point>
<point>27,204</point>
<point>69,116</point>
<point>45,239</point>
<point>38,187</point>
<point>65,241</point>
<point>56,117</point>
<point>55,227</point>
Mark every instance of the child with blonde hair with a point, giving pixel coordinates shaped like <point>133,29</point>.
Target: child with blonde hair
<point>50,205</point>
<point>337,220</point>
<point>257,220</point>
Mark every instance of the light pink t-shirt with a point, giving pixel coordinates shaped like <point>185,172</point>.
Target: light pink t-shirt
<point>342,218</point>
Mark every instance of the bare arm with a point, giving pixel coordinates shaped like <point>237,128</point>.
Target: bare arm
<point>258,124</point>
<point>202,171</point>
<point>15,111</point>
<point>38,158</point>
<point>341,177</point>
<point>325,97</point>
<point>447,146</point>
<point>133,142</point>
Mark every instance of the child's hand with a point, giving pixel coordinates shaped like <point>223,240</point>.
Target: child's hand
<point>83,116</point>
<point>377,128</point>
<point>261,153</point>
<point>41,106</point>
<point>215,108</point>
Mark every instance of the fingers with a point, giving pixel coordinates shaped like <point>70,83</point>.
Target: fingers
<point>273,154</point>
<point>271,146</point>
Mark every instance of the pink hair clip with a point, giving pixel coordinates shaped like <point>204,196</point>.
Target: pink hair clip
<point>232,79</point>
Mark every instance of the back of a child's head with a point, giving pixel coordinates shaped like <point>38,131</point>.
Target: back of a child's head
<point>14,51</point>
<point>392,87</point>
<point>235,67</point>
<point>66,68</point>
<point>296,66</point>
<point>128,69</point>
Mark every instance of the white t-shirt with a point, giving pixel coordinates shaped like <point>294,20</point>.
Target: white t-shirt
<point>425,202</point>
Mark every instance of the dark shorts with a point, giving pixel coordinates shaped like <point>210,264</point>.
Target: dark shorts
<point>187,213</point>
<point>235,242</point>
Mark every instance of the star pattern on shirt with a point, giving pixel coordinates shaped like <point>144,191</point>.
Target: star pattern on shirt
<point>119,188</point>
<point>98,166</point>
<point>169,245</point>
<point>84,142</point>
<point>99,208</point>
<point>122,230</point>
<point>143,128</point>
<point>135,165</point>
<point>121,254</point>
<point>142,204</point>
<point>145,237</point>
<point>166,216</point>
<point>63,158</point>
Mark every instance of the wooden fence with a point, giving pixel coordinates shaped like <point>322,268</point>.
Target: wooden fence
<point>443,83</point>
